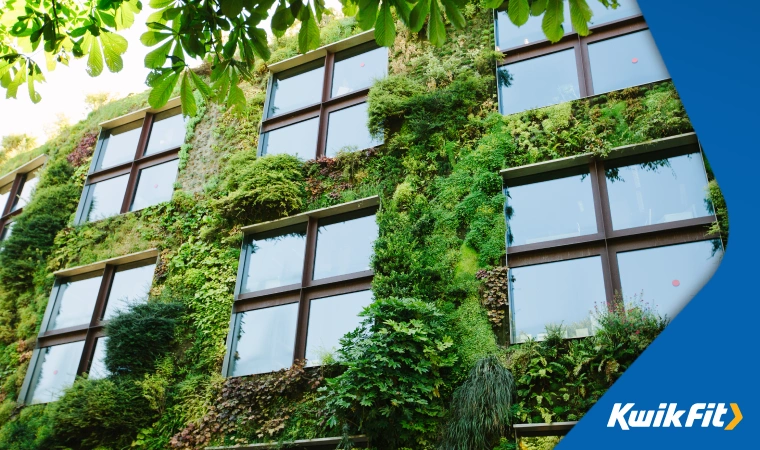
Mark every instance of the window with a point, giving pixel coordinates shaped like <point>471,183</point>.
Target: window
<point>302,282</point>
<point>535,436</point>
<point>618,53</point>
<point>317,103</point>
<point>135,163</point>
<point>71,339</point>
<point>586,233</point>
<point>16,190</point>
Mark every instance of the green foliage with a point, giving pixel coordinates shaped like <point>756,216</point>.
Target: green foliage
<point>717,205</point>
<point>140,335</point>
<point>397,368</point>
<point>96,413</point>
<point>480,408</point>
<point>31,430</point>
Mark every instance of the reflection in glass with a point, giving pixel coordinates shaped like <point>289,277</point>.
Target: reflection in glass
<point>167,132</point>
<point>658,192</point>
<point>625,61</point>
<point>290,92</point>
<point>7,230</point>
<point>548,210</point>
<point>509,35</point>
<point>275,260</point>
<point>329,319</point>
<point>29,184</point>
<point>98,365</point>
<point>155,184</point>
<point>129,287</point>
<point>104,198</point>
<point>5,194</point>
<point>564,293</point>
<point>347,130</point>
<point>344,245</point>
<point>265,340</point>
<point>353,72</point>
<point>74,303</point>
<point>56,370</point>
<point>626,8</point>
<point>667,278</point>
<point>534,83</point>
<point>299,139</point>
<point>120,146</point>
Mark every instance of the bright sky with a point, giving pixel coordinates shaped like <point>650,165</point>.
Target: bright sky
<point>65,87</point>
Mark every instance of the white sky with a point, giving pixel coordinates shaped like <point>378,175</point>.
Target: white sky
<point>65,87</point>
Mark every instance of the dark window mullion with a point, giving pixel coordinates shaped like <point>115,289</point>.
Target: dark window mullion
<point>299,352</point>
<point>323,115</point>
<point>14,193</point>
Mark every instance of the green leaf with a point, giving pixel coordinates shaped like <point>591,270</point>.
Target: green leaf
<point>156,17</point>
<point>350,8</point>
<point>385,27</point>
<point>201,85</point>
<point>125,16</point>
<point>162,89</point>
<point>95,60</point>
<point>157,57</point>
<point>367,13</point>
<point>236,99</point>
<point>493,4</point>
<point>160,4</point>
<point>282,19</point>
<point>454,13</point>
<point>553,19</point>
<point>436,29</point>
<point>537,7</point>
<point>151,38</point>
<point>418,15</point>
<point>518,11</point>
<point>189,108</point>
<point>222,86</point>
<point>232,8</point>
<point>580,14</point>
<point>259,43</point>
<point>403,9</point>
<point>113,47</point>
<point>33,95</point>
<point>308,35</point>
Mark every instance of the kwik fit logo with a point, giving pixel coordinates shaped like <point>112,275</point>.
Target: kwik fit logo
<point>668,415</point>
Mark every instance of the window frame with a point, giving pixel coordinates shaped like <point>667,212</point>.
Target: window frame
<point>87,332</point>
<point>607,242</point>
<point>16,178</point>
<point>322,109</point>
<point>301,293</point>
<point>131,167</point>
<point>572,40</point>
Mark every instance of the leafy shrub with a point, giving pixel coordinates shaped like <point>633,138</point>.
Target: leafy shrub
<point>32,429</point>
<point>140,336</point>
<point>105,412</point>
<point>480,409</point>
<point>398,365</point>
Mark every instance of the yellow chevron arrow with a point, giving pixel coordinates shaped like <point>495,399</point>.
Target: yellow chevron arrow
<point>737,417</point>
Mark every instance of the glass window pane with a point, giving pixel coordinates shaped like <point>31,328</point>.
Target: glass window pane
<point>104,198</point>
<point>330,319</point>
<point>5,194</point>
<point>265,340</point>
<point>7,230</point>
<point>548,210</point>
<point>299,139</point>
<point>167,132</point>
<point>27,189</point>
<point>353,72</point>
<point>347,130</point>
<point>56,370</point>
<point>74,303</point>
<point>562,293</point>
<point>121,145</point>
<point>626,8</point>
<point>275,259</point>
<point>625,61</point>
<point>344,245</point>
<point>129,286</point>
<point>290,92</point>
<point>659,191</point>
<point>538,82</point>
<point>667,278</point>
<point>98,364</point>
<point>509,35</point>
<point>155,184</point>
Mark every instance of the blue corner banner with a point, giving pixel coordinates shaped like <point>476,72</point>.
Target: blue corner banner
<point>697,385</point>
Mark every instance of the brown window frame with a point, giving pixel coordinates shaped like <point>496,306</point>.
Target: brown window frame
<point>133,167</point>
<point>87,332</point>
<point>305,291</point>
<point>17,179</point>
<point>579,44</point>
<point>607,242</point>
<point>327,104</point>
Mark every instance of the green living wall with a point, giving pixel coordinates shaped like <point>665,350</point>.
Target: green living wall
<point>405,377</point>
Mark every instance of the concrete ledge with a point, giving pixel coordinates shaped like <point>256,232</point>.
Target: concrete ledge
<point>139,114</point>
<point>100,265</point>
<point>329,442</point>
<point>542,429</point>
<point>26,167</point>
<point>335,47</point>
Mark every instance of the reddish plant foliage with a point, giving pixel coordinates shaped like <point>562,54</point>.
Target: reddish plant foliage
<point>495,293</point>
<point>83,150</point>
<point>331,176</point>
